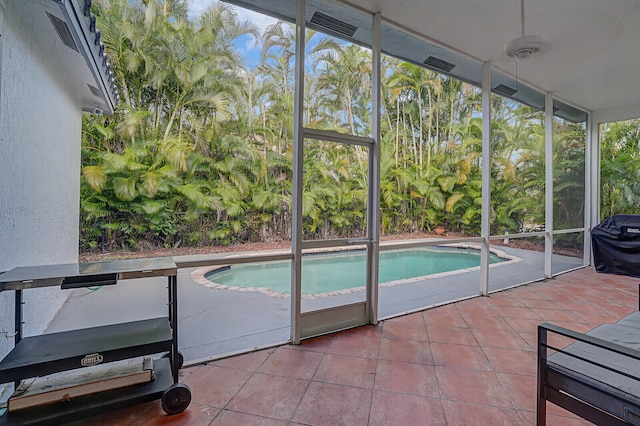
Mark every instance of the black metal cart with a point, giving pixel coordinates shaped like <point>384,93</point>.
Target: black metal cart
<point>42,355</point>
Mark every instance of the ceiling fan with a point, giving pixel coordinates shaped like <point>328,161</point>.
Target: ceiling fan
<point>525,45</point>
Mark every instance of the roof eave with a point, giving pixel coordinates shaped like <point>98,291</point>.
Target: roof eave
<point>82,24</point>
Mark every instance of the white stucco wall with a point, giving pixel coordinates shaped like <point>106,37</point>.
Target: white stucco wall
<point>40,134</point>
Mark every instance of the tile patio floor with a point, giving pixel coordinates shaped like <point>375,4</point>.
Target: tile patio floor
<point>467,363</point>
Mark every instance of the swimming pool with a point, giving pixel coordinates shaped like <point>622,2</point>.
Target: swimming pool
<point>344,270</point>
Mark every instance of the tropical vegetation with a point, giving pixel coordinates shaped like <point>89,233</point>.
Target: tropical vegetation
<point>620,163</point>
<point>200,148</point>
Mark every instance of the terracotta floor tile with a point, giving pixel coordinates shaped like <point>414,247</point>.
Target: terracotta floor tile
<point>187,371</point>
<point>503,298</point>
<point>232,418</point>
<point>390,409</point>
<point>316,344</point>
<point>346,370</point>
<point>487,322</point>
<point>439,317</point>
<point>524,324</point>
<point>327,404</point>
<point>515,312</point>
<point>531,339</point>
<point>521,389</point>
<point>532,291</point>
<point>512,361</point>
<point>291,363</point>
<point>474,307</point>
<point>463,414</point>
<point>365,330</point>
<point>402,377</point>
<point>595,298</point>
<point>410,320</point>
<point>459,356</point>
<point>124,416</point>
<point>559,315</point>
<point>414,351</point>
<point>269,396</point>
<point>352,344</point>
<point>599,316</point>
<point>624,311</point>
<point>452,335</point>
<point>194,415</point>
<point>539,303</point>
<point>248,362</point>
<point>585,305</point>
<point>577,306</point>
<point>405,330</point>
<point>478,387</point>
<point>499,339</point>
<point>529,417</point>
<point>215,386</point>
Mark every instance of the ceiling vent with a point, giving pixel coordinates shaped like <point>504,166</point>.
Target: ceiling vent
<point>333,24</point>
<point>63,31</point>
<point>94,91</point>
<point>504,90</point>
<point>439,64</point>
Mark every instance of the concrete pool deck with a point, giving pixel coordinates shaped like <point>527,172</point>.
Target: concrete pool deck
<point>215,323</point>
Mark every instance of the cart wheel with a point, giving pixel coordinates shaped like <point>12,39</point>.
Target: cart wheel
<point>176,398</point>
<point>179,358</point>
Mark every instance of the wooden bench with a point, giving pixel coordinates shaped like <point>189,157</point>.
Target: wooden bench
<point>596,377</point>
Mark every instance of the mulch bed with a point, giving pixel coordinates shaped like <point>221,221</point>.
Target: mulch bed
<point>182,251</point>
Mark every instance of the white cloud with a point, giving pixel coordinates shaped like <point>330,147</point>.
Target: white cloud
<point>197,6</point>
<point>261,21</point>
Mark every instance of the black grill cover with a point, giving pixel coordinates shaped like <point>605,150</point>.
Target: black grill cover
<point>616,245</point>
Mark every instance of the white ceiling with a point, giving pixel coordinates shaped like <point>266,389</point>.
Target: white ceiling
<point>592,47</point>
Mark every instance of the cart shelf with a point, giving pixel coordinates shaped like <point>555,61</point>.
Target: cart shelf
<point>90,405</point>
<point>50,353</point>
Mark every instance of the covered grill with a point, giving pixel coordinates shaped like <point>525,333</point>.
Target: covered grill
<point>616,245</point>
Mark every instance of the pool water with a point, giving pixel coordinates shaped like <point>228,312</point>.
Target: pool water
<point>336,271</point>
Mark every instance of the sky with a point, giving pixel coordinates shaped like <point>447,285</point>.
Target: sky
<point>245,44</point>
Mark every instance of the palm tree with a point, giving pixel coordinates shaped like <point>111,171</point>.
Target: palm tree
<point>568,174</point>
<point>343,88</point>
<point>518,172</point>
<point>619,168</point>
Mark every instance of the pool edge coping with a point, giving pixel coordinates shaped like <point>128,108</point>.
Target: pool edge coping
<point>199,275</point>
